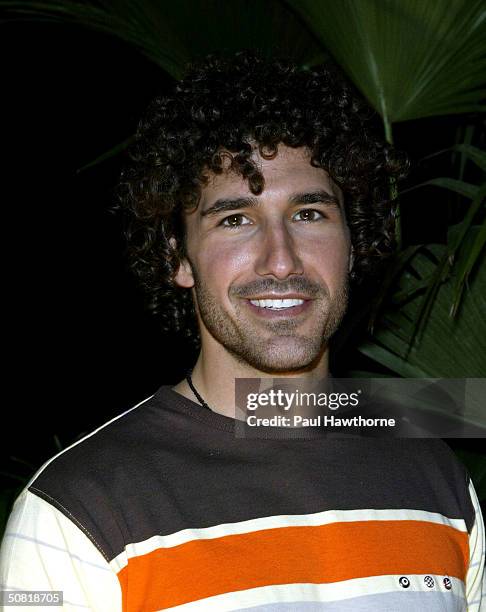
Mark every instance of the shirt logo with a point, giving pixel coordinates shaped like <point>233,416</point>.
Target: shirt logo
<point>404,582</point>
<point>429,581</point>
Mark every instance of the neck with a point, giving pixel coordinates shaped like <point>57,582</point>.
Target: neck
<point>214,378</point>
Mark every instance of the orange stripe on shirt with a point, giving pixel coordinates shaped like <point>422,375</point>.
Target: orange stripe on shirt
<point>318,554</point>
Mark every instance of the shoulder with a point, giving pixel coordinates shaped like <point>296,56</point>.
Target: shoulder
<point>82,481</point>
<point>43,550</point>
<point>94,451</point>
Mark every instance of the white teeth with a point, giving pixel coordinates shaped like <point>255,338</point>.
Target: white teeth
<point>277,304</point>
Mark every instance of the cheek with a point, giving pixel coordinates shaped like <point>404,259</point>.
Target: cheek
<point>222,264</point>
<point>329,258</point>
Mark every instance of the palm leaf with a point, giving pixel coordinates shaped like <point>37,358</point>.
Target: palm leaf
<point>467,190</point>
<point>173,33</point>
<point>467,152</point>
<point>410,58</point>
<point>119,148</point>
<point>472,250</point>
<point>134,23</point>
<point>450,348</point>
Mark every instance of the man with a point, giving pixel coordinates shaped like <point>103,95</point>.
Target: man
<point>255,190</point>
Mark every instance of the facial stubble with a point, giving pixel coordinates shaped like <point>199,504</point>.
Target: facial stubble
<point>273,346</point>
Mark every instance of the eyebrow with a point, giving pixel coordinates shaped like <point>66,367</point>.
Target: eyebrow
<point>307,197</point>
<point>224,204</point>
<point>316,197</point>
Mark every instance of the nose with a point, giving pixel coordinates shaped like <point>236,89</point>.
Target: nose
<point>277,254</point>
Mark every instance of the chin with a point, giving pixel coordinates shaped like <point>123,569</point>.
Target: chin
<point>280,358</point>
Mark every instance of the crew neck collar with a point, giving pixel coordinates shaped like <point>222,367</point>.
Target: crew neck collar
<point>239,429</point>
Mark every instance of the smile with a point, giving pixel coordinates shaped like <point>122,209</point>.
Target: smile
<point>277,304</point>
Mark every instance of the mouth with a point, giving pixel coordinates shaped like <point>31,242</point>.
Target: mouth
<point>277,304</point>
<point>267,306</point>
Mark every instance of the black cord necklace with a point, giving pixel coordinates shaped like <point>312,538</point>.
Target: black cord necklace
<point>195,391</point>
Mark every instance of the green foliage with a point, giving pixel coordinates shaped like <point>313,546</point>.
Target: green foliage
<point>174,33</point>
<point>465,245</point>
<point>410,58</point>
<point>445,348</point>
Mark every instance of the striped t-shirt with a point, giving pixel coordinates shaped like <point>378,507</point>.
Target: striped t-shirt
<point>165,507</point>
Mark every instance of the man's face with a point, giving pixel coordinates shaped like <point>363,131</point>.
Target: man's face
<point>269,272</point>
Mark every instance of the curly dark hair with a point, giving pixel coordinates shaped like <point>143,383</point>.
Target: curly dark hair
<point>233,103</point>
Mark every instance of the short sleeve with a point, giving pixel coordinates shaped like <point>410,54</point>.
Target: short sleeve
<point>44,550</point>
<point>475,578</point>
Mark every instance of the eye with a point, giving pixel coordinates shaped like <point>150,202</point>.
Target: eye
<point>235,221</point>
<point>308,215</point>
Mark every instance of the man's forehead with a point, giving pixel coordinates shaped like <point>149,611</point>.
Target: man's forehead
<point>289,171</point>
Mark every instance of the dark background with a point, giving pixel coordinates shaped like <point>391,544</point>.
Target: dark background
<point>79,347</point>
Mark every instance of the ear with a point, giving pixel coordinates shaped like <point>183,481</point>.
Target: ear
<point>184,276</point>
